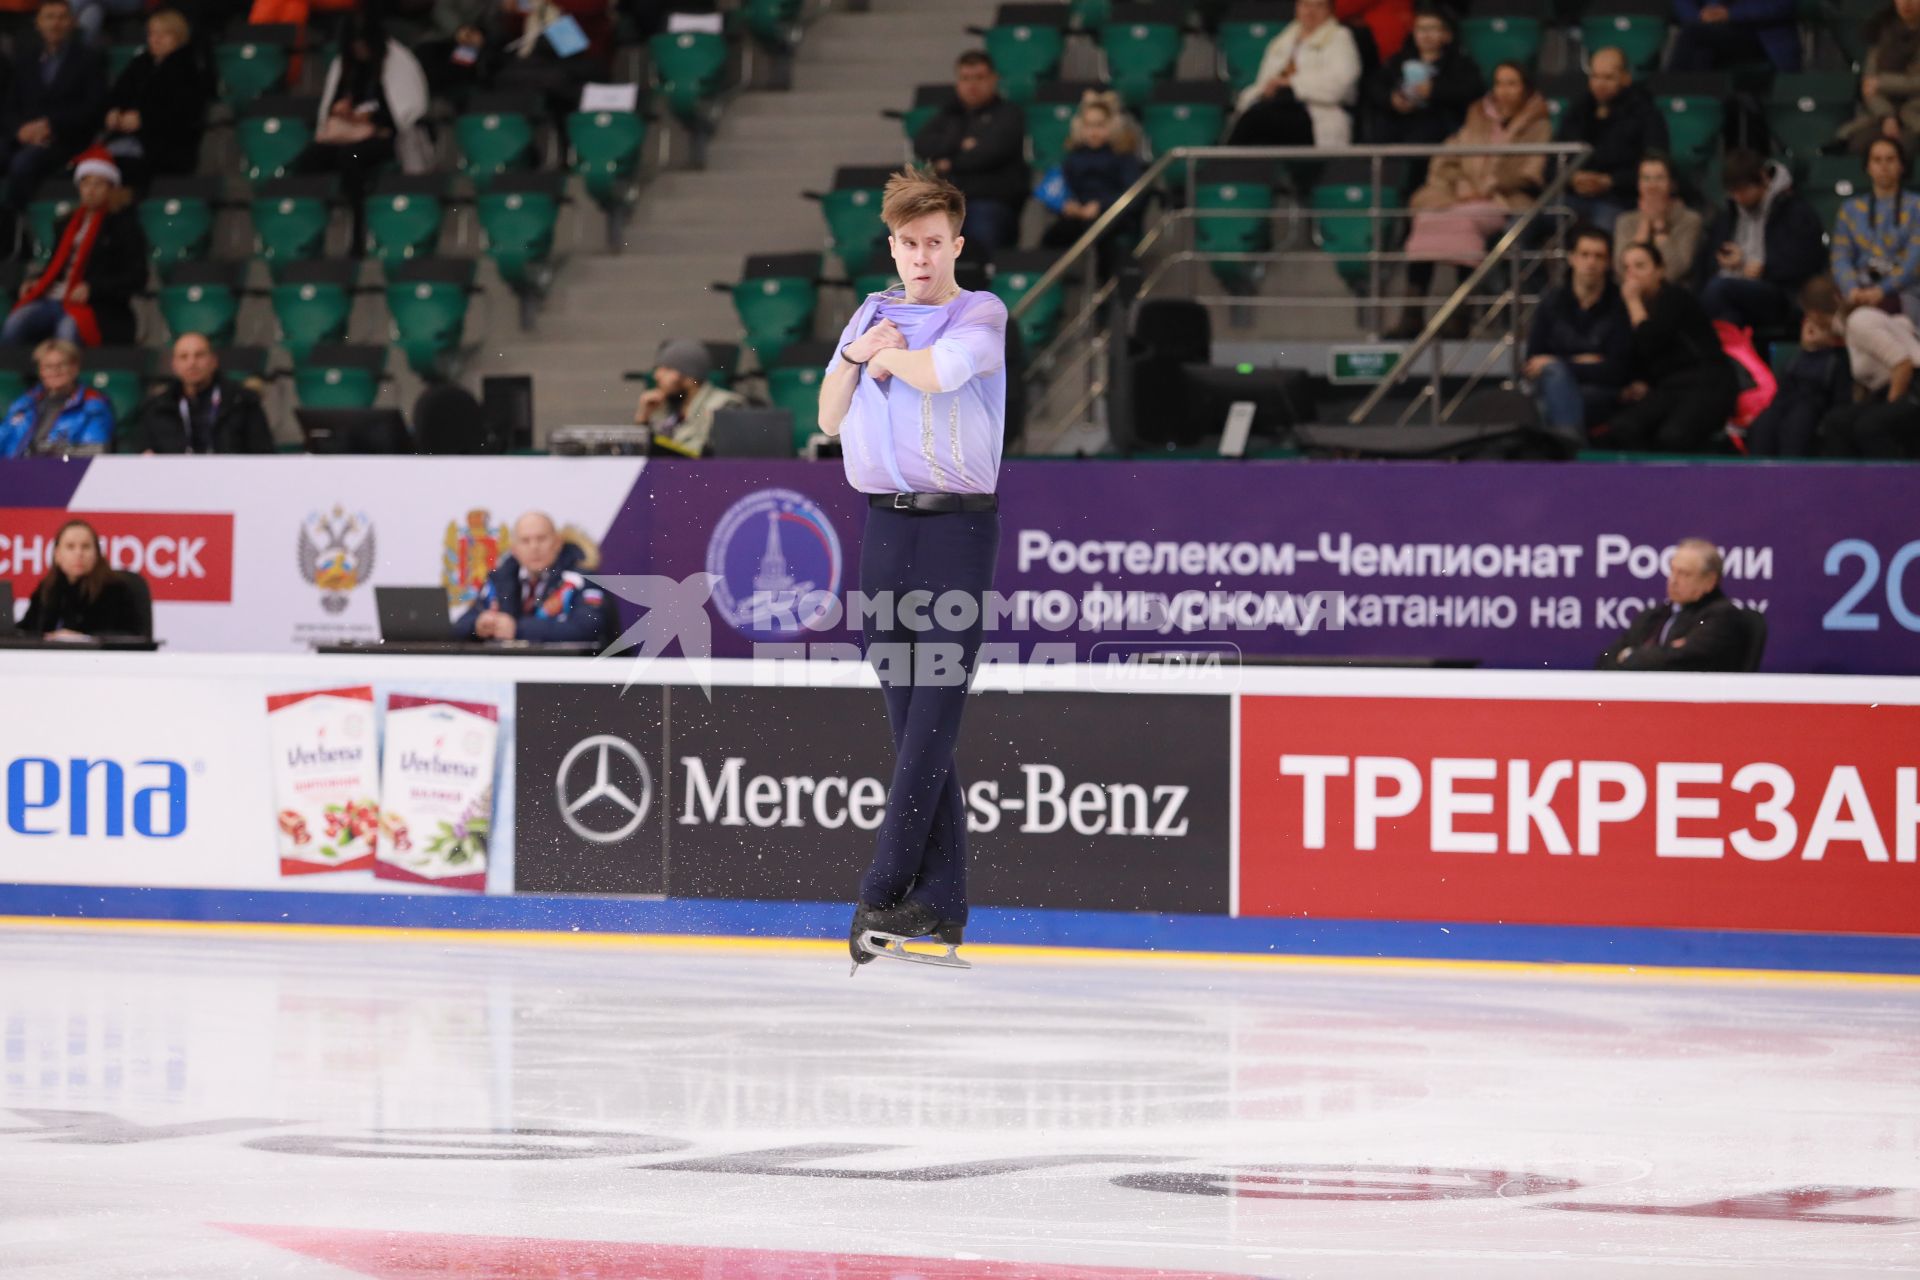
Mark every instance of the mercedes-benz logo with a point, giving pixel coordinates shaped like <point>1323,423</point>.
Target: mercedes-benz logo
<point>574,801</point>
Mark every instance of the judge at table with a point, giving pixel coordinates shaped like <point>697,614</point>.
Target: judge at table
<point>537,594</point>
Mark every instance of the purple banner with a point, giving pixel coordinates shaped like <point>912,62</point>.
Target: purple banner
<point>1509,565</point>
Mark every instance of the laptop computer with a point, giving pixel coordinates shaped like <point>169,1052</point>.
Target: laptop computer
<point>413,614</point>
<point>7,625</point>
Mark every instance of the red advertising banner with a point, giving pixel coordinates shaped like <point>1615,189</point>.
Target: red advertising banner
<point>182,555</point>
<point>1688,815</point>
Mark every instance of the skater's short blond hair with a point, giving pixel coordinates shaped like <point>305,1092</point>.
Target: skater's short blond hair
<point>913,193</point>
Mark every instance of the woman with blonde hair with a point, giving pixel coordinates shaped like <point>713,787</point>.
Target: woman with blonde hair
<point>157,109</point>
<point>1099,165</point>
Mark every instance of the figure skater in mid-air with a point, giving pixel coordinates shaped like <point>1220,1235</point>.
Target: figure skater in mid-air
<point>917,391</point>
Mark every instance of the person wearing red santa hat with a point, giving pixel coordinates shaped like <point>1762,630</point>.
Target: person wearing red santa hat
<point>86,292</point>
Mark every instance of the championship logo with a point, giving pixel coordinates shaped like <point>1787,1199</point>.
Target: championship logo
<point>469,556</point>
<point>770,552</point>
<point>336,553</point>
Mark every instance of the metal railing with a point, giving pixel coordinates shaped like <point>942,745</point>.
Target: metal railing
<point>1084,343</point>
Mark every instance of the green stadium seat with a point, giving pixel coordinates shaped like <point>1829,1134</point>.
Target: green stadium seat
<point>404,214</point>
<point>255,64</point>
<point>1343,222</point>
<point>1233,204</point>
<point>203,297</point>
<point>1026,42</point>
<point>313,302</point>
<point>775,301</point>
<point>1831,182</point>
<point>1561,92</point>
<point>427,300</point>
<point>1015,273</point>
<point>1805,110</point>
<point>177,217</point>
<point>1050,121</point>
<point>336,376</point>
<point>1694,106</point>
<point>1089,15</point>
<point>1638,28</point>
<point>689,69</point>
<point>120,57</point>
<point>927,101</point>
<point>272,132</point>
<point>773,23</point>
<point>794,385</point>
<point>121,375</point>
<point>1243,37</point>
<point>245,364</point>
<point>1502,31</point>
<point>851,211</point>
<point>1186,113</point>
<point>495,135</point>
<point>1141,43</point>
<point>290,219</point>
<point>606,153</point>
<point>518,217</point>
<point>873,282</point>
<point>47,214</point>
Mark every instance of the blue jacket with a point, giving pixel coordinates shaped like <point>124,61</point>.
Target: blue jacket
<point>569,608</point>
<point>85,422</point>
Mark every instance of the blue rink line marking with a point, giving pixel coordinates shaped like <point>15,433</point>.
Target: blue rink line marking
<point>1096,930</point>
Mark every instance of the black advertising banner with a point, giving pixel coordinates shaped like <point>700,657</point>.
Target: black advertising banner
<point>1082,801</point>
<point>588,811</point>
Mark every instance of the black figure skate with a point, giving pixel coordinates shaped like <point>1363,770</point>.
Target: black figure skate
<point>887,931</point>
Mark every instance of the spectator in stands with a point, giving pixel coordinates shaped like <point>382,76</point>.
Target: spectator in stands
<point>1660,219</point>
<point>1683,387</point>
<point>462,39</point>
<point>1767,243</point>
<point>373,111</point>
<point>1469,195</point>
<point>199,411</point>
<point>1421,94</point>
<point>1101,162</point>
<point>1308,81</point>
<point>537,593</point>
<point>82,596</point>
<point>543,52</point>
<point>1698,629</point>
<point>1818,382</point>
<point>157,109</point>
<point>59,417</point>
<point>85,294</point>
<point>54,104</point>
<point>1883,349</point>
<point>978,142</point>
<point>683,398</point>
<point>1382,23</point>
<point>1581,341</point>
<point>1719,35</point>
<point>1890,81</point>
<point>1618,119</point>
<point>1876,236</point>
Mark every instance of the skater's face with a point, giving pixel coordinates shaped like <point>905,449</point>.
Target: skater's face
<point>536,543</point>
<point>924,252</point>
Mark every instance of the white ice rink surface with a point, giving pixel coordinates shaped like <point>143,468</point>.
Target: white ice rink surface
<point>238,1104</point>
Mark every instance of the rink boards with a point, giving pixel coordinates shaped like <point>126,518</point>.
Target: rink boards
<point>1754,822</point>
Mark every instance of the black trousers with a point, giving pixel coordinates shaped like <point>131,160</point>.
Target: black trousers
<point>1683,414</point>
<point>1279,121</point>
<point>1874,429</point>
<point>925,672</point>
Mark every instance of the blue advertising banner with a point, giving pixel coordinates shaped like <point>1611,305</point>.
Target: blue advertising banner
<point>1509,565</point>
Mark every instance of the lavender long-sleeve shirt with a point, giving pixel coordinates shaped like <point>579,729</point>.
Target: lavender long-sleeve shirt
<point>895,439</point>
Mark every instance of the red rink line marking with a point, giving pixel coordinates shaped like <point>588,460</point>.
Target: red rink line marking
<point>410,1255</point>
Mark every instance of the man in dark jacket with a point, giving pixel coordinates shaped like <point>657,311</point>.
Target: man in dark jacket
<point>1766,243</point>
<point>537,594</point>
<point>978,142</point>
<point>1619,121</point>
<point>1698,629</point>
<point>1580,343</point>
<point>54,106</point>
<point>199,411</point>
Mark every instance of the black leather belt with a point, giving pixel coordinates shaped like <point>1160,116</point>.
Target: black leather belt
<point>927,503</point>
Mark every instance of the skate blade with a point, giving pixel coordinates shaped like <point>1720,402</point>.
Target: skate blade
<point>896,947</point>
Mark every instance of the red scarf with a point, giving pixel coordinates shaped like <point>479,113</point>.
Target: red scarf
<point>83,226</point>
